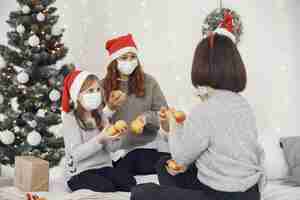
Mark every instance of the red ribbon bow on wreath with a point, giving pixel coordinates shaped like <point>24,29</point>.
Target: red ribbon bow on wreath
<point>227,22</point>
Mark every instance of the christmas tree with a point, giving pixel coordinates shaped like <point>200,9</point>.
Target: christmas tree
<point>31,83</point>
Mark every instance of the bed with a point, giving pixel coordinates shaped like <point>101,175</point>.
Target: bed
<point>276,168</point>
<point>281,190</point>
<point>275,190</point>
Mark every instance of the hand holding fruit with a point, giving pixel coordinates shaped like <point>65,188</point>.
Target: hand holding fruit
<point>113,132</point>
<point>164,119</point>
<point>173,168</point>
<point>179,116</point>
<point>137,125</point>
<point>116,99</point>
<point>165,115</point>
<point>173,165</point>
<point>119,128</point>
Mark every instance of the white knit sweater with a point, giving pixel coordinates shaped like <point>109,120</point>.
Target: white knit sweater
<point>83,152</point>
<point>220,136</point>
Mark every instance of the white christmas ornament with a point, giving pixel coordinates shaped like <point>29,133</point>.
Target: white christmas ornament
<point>17,129</point>
<point>28,63</point>
<point>2,117</point>
<point>23,77</point>
<point>1,99</point>
<point>25,9</point>
<point>7,137</point>
<point>20,29</point>
<point>32,124</point>
<point>56,30</point>
<point>56,130</point>
<point>41,113</point>
<point>34,41</point>
<point>34,138</point>
<point>41,17</point>
<point>2,62</point>
<point>14,104</point>
<point>54,95</point>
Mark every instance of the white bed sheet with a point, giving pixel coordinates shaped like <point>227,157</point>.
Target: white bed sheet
<point>275,190</point>
<point>281,190</point>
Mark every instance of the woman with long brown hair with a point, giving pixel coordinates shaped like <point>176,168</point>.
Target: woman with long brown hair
<point>133,95</point>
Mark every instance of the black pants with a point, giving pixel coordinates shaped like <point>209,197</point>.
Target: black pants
<point>186,186</point>
<point>140,161</point>
<point>106,179</point>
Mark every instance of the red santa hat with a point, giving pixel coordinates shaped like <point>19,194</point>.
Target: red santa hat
<point>119,46</point>
<point>71,88</point>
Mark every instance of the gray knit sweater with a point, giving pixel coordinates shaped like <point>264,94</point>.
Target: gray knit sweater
<point>149,105</point>
<point>83,152</point>
<point>220,136</point>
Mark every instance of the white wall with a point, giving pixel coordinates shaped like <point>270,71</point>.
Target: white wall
<point>167,33</point>
<point>295,8</point>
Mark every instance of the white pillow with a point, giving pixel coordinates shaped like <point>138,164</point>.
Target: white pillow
<point>275,163</point>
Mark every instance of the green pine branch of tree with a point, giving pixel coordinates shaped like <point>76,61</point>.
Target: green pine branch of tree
<point>31,84</point>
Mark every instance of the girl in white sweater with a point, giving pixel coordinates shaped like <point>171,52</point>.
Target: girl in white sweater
<point>87,142</point>
<point>216,149</point>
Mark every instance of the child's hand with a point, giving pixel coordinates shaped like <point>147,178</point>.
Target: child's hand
<point>173,168</point>
<point>171,171</point>
<point>120,127</point>
<point>116,99</point>
<point>110,133</point>
<point>163,114</point>
<point>164,119</point>
<point>137,125</point>
<point>142,119</point>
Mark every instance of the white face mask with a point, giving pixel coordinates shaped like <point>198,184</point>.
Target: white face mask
<point>91,101</point>
<point>127,67</point>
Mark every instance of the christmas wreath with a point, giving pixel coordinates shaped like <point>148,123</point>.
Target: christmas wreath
<point>223,17</point>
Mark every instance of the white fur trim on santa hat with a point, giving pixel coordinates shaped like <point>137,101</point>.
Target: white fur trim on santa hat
<point>123,51</point>
<point>77,84</point>
<point>225,32</point>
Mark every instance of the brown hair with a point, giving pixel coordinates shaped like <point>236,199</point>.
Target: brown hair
<point>217,63</point>
<point>136,80</point>
<point>80,110</point>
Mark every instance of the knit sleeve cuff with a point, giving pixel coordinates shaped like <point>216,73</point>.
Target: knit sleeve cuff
<point>151,117</point>
<point>163,134</point>
<point>108,112</point>
<point>144,118</point>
